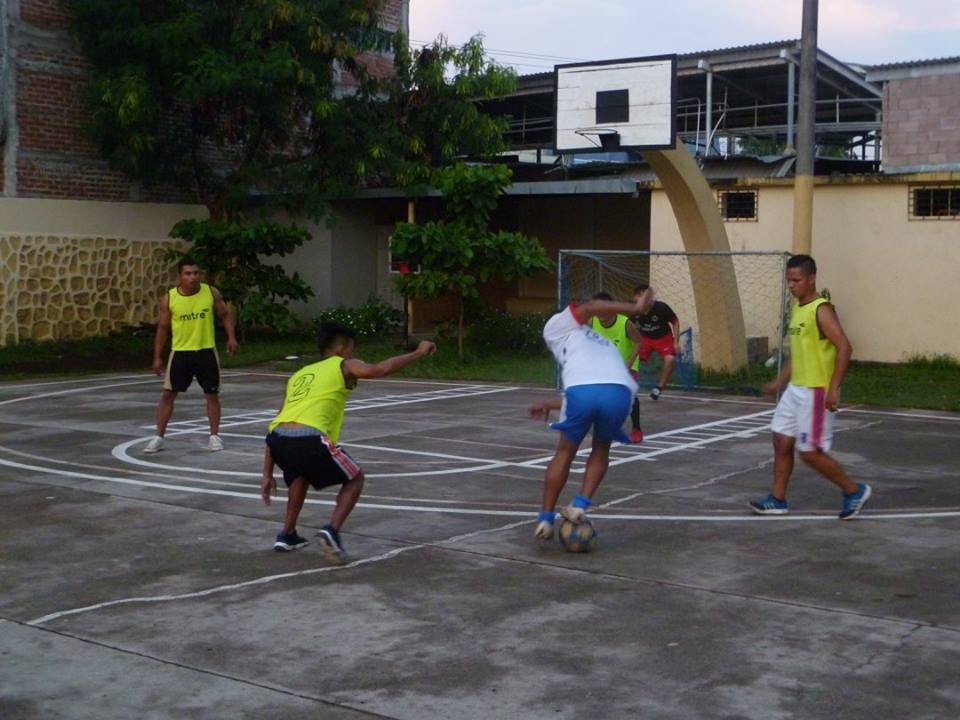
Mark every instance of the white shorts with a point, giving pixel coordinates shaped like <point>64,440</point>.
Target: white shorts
<point>802,414</point>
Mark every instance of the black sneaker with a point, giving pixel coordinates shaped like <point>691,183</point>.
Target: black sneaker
<point>330,544</point>
<point>289,541</point>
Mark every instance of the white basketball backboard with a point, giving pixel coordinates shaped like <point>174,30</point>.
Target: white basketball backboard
<point>634,98</point>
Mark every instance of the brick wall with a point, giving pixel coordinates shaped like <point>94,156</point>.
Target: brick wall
<point>53,158</point>
<point>921,121</point>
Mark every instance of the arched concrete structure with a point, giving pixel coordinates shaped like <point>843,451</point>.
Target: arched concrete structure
<point>723,340</point>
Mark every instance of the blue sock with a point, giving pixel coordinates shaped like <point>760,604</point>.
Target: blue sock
<point>546,516</point>
<point>579,501</point>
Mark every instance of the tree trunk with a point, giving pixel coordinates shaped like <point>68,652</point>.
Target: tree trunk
<point>460,330</point>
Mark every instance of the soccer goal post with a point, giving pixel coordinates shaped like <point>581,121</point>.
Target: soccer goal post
<point>731,305</point>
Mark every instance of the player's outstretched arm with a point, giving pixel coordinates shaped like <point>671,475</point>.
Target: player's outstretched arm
<point>541,410</point>
<point>367,371</point>
<point>591,308</point>
<point>163,328</point>
<point>226,318</point>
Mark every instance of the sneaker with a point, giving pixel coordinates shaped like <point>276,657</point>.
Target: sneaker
<point>655,393</point>
<point>289,541</point>
<point>215,444</point>
<point>636,436</point>
<point>330,544</point>
<point>155,444</point>
<point>574,514</point>
<point>544,530</point>
<point>769,505</point>
<point>853,503</point>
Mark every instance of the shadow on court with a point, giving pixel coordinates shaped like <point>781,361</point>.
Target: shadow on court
<point>145,585</point>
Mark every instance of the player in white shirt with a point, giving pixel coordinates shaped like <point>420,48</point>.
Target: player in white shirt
<point>597,392</point>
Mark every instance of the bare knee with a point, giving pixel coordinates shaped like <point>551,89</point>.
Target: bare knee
<point>812,457</point>
<point>783,445</point>
<point>355,483</point>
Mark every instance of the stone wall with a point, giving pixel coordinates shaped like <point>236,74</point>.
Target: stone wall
<point>921,122</point>
<point>56,287</point>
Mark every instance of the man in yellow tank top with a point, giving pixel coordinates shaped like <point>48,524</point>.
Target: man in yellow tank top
<point>188,311</point>
<point>303,437</point>
<point>819,355</point>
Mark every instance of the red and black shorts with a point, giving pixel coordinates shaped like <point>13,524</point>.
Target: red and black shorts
<point>662,345</point>
<point>308,453</point>
<point>185,365</point>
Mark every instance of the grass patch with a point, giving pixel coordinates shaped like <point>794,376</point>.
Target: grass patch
<point>931,383</point>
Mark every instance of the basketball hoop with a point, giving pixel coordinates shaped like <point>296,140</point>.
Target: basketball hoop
<point>607,139</point>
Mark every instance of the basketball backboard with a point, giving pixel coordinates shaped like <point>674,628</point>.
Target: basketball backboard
<point>616,104</point>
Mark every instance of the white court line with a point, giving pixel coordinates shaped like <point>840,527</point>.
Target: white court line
<point>471,511</point>
<point>272,578</point>
<point>640,455</point>
<point>74,391</point>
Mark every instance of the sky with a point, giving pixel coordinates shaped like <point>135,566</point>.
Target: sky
<point>533,35</point>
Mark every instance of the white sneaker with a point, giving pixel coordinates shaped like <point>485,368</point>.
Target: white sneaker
<point>215,444</point>
<point>573,514</point>
<point>155,444</point>
<point>544,531</point>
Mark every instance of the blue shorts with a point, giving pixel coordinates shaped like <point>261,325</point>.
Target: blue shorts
<point>602,407</point>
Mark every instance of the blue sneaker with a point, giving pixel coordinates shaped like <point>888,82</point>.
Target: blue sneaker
<point>289,541</point>
<point>853,502</point>
<point>769,505</point>
<point>331,545</point>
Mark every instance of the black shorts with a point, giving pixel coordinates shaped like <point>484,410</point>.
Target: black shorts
<point>185,365</point>
<point>312,456</point>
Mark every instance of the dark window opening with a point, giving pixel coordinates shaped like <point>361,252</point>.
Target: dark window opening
<point>935,203</point>
<point>740,205</point>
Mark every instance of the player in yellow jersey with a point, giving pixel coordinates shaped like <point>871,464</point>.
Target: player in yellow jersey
<point>803,420</point>
<point>187,310</point>
<point>303,437</point>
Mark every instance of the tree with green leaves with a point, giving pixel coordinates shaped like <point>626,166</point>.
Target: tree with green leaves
<point>237,103</point>
<point>241,105</point>
<point>459,252</point>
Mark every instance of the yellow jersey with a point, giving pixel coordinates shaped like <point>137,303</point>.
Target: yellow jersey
<point>191,319</point>
<point>316,397</point>
<point>617,334</point>
<point>812,358</point>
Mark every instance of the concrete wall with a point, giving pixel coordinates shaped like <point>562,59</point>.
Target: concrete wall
<point>72,269</point>
<point>609,222</point>
<point>921,122</point>
<point>893,280</point>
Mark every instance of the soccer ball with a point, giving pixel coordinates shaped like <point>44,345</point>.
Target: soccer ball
<point>578,538</point>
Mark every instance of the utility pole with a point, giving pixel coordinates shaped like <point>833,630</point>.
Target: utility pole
<point>806,132</point>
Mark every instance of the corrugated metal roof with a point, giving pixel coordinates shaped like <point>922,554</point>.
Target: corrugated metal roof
<point>740,48</point>
<point>915,63</point>
<point>699,53</point>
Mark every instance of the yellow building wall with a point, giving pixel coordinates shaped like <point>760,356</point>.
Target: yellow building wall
<point>71,269</point>
<point>892,279</point>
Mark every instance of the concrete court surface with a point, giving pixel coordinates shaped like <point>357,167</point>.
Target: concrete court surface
<point>144,586</point>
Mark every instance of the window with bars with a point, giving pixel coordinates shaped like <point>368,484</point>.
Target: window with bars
<point>935,203</point>
<point>738,205</point>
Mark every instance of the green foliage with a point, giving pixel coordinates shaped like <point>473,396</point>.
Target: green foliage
<point>375,318</point>
<point>458,252</point>
<point>226,98</point>
<point>494,332</point>
<point>432,118</point>
<point>230,254</point>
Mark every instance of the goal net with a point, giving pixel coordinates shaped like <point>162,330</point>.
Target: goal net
<point>731,305</point>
